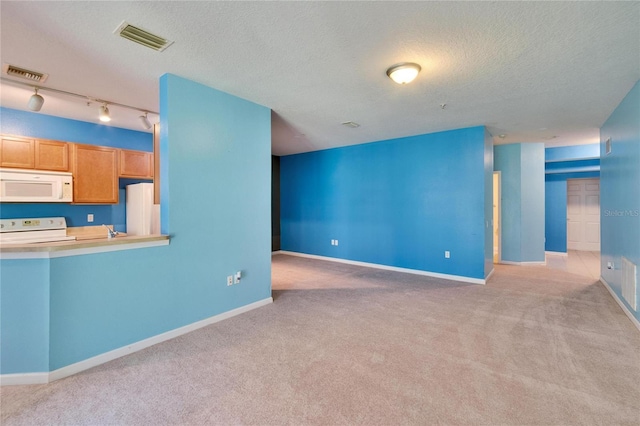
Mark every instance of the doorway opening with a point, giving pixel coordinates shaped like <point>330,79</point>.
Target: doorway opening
<point>497,219</point>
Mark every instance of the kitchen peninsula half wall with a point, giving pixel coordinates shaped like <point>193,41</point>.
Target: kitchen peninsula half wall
<point>62,315</point>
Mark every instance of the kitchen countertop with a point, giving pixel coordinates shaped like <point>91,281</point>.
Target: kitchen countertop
<point>80,247</point>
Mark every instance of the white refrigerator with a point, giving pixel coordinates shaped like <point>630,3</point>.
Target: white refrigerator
<point>142,215</point>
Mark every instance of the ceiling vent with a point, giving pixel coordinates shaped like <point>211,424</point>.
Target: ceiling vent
<point>33,76</point>
<point>142,37</point>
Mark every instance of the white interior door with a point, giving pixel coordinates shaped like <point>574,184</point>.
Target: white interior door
<point>583,214</point>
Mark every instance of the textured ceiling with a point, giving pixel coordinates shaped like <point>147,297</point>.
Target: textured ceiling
<point>534,72</point>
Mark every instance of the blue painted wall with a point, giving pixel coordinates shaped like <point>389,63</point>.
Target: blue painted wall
<point>574,152</point>
<point>219,150</point>
<point>573,166</point>
<point>37,125</point>
<point>506,159</point>
<point>400,202</point>
<point>620,189</point>
<point>555,215</point>
<point>488,203</point>
<point>522,201</point>
<point>562,163</point>
<point>533,202</point>
<point>24,316</point>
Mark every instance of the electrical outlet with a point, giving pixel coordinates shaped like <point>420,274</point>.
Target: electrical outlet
<point>90,217</point>
<point>236,277</point>
<point>447,254</point>
<point>336,242</point>
<point>230,280</point>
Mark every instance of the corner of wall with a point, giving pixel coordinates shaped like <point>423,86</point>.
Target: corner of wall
<point>488,203</point>
<point>620,193</point>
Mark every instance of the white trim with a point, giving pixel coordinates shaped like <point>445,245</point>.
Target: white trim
<point>81,251</point>
<point>556,253</point>
<point>489,276</point>
<point>626,310</point>
<point>499,201</point>
<point>389,268</point>
<point>273,253</point>
<point>23,379</point>
<point>509,262</point>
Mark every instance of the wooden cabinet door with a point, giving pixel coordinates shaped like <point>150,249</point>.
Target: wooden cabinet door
<point>95,174</point>
<point>52,155</point>
<point>136,164</point>
<point>17,152</point>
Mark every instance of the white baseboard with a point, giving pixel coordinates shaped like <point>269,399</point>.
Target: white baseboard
<point>556,253</point>
<point>29,378</point>
<point>24,379</point>
<point>489,276</point>
<point>626,310</point>
<point>276,252</point>
<point>508,262</point>
<point>389,268</point>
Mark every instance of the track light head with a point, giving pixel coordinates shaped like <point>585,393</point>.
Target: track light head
<point>145,121</point>
<point>35,101</point>
<point>104,114</point>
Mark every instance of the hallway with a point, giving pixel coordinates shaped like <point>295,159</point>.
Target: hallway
<point>585,263</point>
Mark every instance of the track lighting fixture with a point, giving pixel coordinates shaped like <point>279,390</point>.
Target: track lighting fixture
<point>104,114</point>
<point>35,101</point>
<point>145,121</point>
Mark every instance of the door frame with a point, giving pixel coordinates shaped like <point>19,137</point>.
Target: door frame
<point>496,223</point>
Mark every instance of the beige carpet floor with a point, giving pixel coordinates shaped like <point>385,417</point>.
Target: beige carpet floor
<point>346,345</point>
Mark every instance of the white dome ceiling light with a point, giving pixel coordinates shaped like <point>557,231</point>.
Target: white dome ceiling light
<point>404,73</point>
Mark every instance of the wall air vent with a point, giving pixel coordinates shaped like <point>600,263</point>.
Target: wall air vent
<point>143,37</point>
<point>33,76</point>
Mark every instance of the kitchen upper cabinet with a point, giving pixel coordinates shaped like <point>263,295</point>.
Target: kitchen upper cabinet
<point>136,164</point>
<point>52,155</point>
<point>17,152</point>
<point>96,169</point>
<point>40,154</point>
<point>95,174</point>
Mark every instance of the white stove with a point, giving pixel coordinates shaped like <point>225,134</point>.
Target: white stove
<point>34,230</point>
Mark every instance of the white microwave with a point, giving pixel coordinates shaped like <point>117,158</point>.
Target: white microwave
<point>35,186</point>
